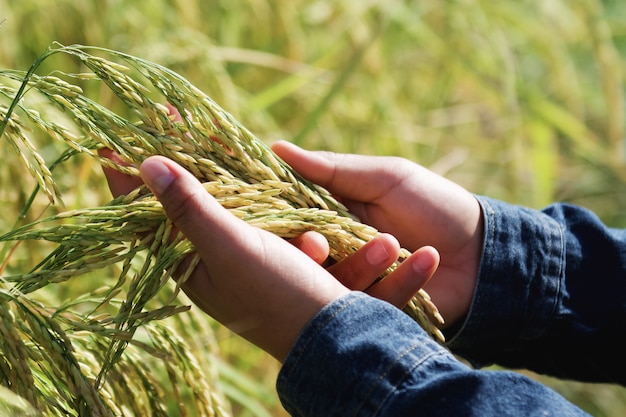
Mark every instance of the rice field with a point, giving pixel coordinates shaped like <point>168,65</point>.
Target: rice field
<point>519,100</point>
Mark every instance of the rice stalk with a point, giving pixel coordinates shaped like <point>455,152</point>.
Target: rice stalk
<point>36,350</point>
<point>209,141</point>
<point>40,346</point>
<point>14,361</point>
<point>132,235</point>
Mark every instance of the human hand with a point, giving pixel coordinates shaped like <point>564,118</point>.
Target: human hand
<point>250,280</point>
<point>269,298</point>
<point>412,203</point>
<point>357,272</point>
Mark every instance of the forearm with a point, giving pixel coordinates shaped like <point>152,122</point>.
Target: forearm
<point>363,357</point>
<point>551,294</point>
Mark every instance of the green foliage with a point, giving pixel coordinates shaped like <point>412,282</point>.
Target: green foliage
<point>520,100</point>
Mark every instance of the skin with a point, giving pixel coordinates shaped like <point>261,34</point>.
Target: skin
<point>411,203</point>
<point>281,286</point>
<point>269,298</point>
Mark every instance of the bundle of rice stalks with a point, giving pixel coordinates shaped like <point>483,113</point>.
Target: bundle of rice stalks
<point>91,344</point>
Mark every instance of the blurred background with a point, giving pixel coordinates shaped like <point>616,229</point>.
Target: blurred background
<point>516,99</point>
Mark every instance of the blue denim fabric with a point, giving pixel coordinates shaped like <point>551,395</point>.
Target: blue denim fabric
<point>363,357</point>
<point>551,296</point>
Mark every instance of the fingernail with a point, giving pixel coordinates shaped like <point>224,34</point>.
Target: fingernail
<point>156,174</point>
<point>422,264</point>
<point>376,254</point>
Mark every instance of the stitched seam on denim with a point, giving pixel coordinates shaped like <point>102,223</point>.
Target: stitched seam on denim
<point>558,264</point>
<point>319,327</point>
<point>489,246</point>
<point>409,371</point>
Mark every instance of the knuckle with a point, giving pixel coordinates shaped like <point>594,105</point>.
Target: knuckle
<point>180,207</point>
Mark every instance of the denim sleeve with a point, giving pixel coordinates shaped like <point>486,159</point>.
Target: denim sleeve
<point>360,356</point>
<point>550,296</point>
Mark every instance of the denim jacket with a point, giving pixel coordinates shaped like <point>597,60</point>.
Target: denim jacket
<point>550,297</point>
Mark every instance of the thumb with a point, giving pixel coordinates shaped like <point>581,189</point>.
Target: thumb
<point>187,204</point>
<point>342,174</point>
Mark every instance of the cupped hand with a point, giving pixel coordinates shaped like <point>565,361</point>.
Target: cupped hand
<point>359,271</point>
<point>356,272</point>
<point>410,202</point>
<point>250,280</point>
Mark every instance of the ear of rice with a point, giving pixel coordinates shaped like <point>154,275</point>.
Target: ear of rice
<point>132,234</point>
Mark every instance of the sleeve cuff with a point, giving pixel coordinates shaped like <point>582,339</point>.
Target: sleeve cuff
<point>519,282</point>
<point>352,356</point>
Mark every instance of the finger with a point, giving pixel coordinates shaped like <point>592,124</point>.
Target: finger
<point>313,244</point>
<point>401,285</point>
<point>174,113</point>
<point>342,174</point>
<point>199,217</point>
<point>119,183</point>
<point>214,232</point>
<point>361,269</point>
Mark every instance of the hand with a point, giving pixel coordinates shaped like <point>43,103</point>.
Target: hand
<point>250,280</point>
<point>412,203</point>
<point>271,296</point>
<point>357,272</point>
